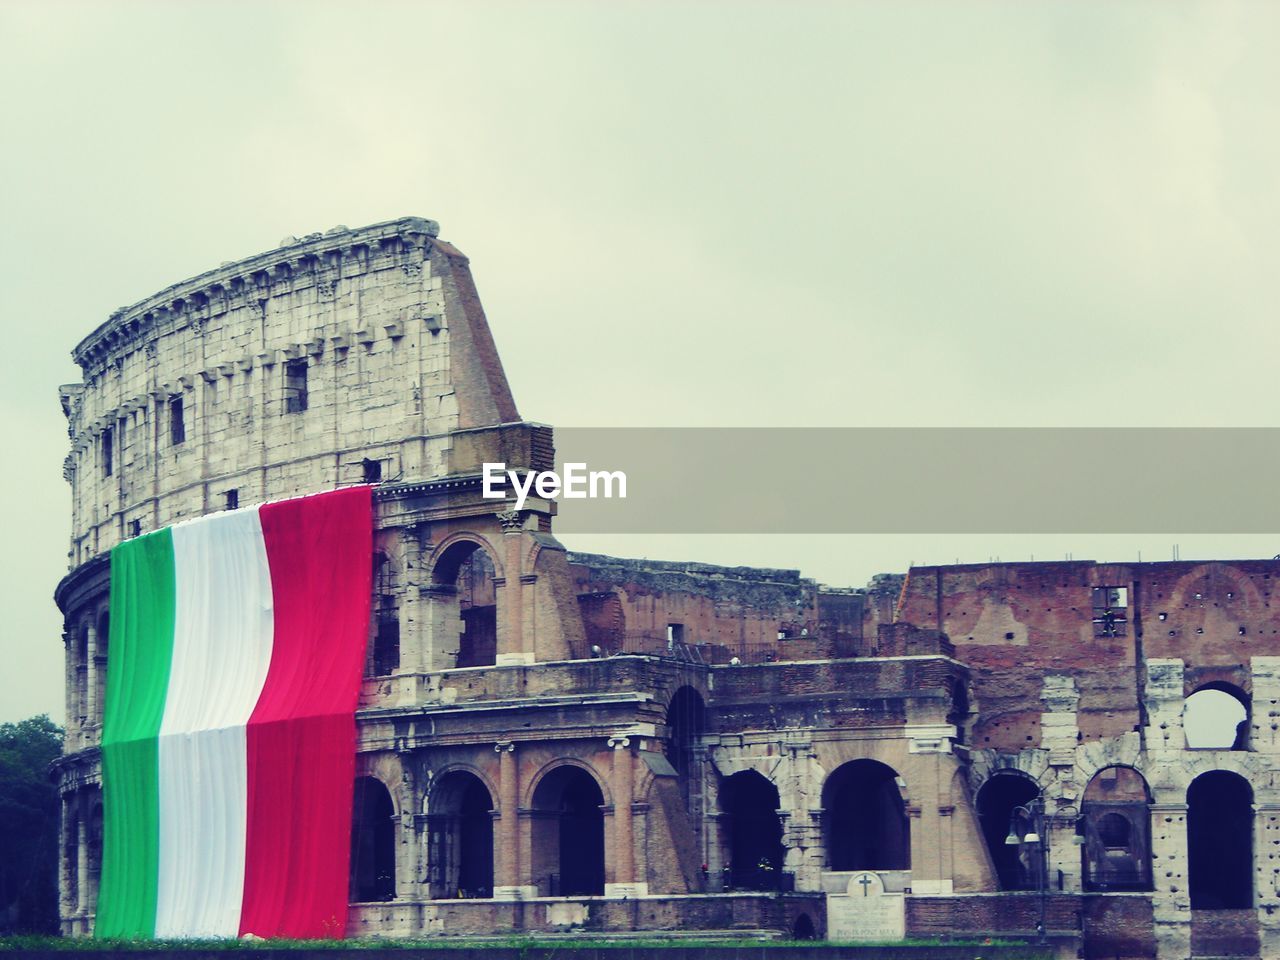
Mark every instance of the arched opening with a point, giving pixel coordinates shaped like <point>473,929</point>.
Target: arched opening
<point>1115,826</point>
<point>101,641</point>
<point>568,834</point>
<point>865,818</point>
<point>385,649</point>
<point>1015,863</point>
<point>373,842</point>
<point>1216,717</point>
<point>803,928</point>
<point>461,837</point>
<point>467,599</point>
<point>752,832</point>
<point>685,724</point>
<point>1220,841</point>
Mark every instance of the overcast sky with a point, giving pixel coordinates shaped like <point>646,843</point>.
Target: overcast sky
<point>712,214</point>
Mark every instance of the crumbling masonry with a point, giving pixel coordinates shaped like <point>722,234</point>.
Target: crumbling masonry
<point>552,741</point>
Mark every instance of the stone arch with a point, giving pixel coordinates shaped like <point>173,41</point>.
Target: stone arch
<point>751,831</point>
<point>552,766</point>
<point>459,767</point>
<point>865,823</point>
<point>453,549</point>
<point>997,800</point>
<point>460,839</point>
<point>462,601</point>
<point>373,840</point>
<point>1216,716</point>
<point>567,836</point>
<point>1203,577</point>
<point>1220,841</point>
<point>1115,824</point>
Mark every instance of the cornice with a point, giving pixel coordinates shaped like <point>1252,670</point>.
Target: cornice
<point>249,281</point>
<point>81,576</point>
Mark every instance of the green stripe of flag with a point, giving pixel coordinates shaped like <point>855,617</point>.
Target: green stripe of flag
<point>139,656</point>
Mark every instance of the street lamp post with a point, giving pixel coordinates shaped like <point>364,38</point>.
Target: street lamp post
<point>1033,814</point>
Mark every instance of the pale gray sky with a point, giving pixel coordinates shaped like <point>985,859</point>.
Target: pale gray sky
<point>710,214</point>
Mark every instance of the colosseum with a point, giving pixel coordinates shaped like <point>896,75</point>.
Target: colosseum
<point>551,741</point>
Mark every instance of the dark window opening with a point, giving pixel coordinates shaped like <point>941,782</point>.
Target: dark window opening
<point>1016,863</point>
<point>372,470</point>
<point>568,834</point>
<point>675,634</point>
<point>478,610</point>
<point>108,452</point>
<point>295,386</point>
<point>866,819</point>
<point>135,528</point>
<point>373,843</point>
<point>1110,611</point>
<point>386,638</point>
<point>685,724</point>
<point>461,839</point>
<point>1114,831</point>
<point>1220,842</point>
<point>386,644</point>
<point>233,499</point>
<point>755,854</point>
<point>803,929</point>
<point>177,421</point>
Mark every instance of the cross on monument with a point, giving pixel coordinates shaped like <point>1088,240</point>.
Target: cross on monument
<point>865,881</point>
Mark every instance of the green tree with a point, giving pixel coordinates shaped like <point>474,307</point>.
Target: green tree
<point>28,826</point>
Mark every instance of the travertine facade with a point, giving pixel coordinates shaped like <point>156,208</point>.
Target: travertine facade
<point>551,741</point>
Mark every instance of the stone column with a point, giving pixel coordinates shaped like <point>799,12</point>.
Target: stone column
<point>1065,859</point>
<point>624,869</point>
<point>1266,872</point>
<point>406,849</point>
<point>1162,697</point>
<point>412,606</point>
<point>1264,713</point>
<point>436,639</point>
<point>928,751</point>
<point>66,867</point>
<point>1171,898</point>
<point>82,860</point>
<point>511,641</point>
<point>946,844</point>
<point>506,847</point>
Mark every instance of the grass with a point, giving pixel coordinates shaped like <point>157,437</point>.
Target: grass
<point>28,943</point>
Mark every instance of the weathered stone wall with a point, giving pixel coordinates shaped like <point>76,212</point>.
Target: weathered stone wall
<point>397,353</point>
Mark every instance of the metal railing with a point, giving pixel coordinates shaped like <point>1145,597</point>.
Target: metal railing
<point>659,645</point>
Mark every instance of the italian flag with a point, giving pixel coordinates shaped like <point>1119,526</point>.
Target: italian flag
<point>228,749</point>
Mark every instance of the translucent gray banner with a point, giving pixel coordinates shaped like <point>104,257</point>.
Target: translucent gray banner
<point>927,480</point>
